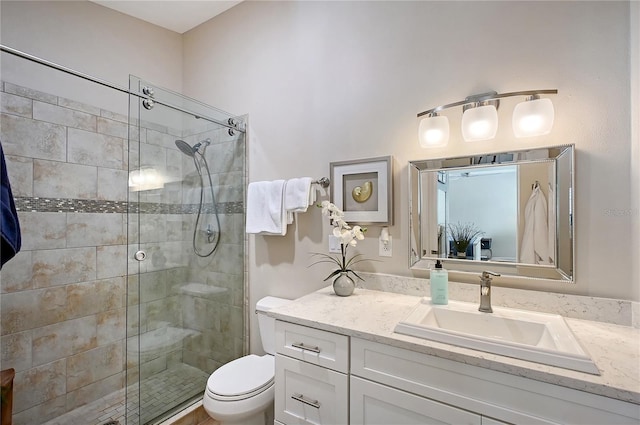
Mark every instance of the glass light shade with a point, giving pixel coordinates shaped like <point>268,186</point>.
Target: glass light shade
<point>480,123</point>
<point>433,131</point>
<point>533,118</point>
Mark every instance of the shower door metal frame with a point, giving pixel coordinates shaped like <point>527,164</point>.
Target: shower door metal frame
<point>232,125</point>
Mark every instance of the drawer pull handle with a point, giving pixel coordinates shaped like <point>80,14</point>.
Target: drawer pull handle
<point>306,347</point>
<point>302,399</point>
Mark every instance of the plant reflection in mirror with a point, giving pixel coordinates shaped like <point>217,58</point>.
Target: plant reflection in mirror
<point>463,235</point>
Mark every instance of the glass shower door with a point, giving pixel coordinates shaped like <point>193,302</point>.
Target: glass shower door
<point>186,310</point>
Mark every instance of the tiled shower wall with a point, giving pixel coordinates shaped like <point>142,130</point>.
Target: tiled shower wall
<point>64,296</point>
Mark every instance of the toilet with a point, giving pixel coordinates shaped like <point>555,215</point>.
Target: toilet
<point>242,391</point>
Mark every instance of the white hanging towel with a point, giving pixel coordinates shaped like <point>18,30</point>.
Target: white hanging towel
<point>551,221</point>
<point>298,196</point>
<point>265,208</point>
<point>535,244</point>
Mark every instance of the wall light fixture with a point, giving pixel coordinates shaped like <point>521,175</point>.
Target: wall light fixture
<point>532,117</point>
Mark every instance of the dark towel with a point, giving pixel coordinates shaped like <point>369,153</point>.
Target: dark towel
<point>9,225</point>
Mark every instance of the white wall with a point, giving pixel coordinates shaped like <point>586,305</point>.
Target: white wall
<point>91,39</point>
<point>327,81</point>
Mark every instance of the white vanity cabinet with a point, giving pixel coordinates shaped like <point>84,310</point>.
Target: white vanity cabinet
<point>328,378</point>
<point>492,397</point>
<point>312,383</point>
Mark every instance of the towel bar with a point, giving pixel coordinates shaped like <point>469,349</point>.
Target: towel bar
<point>324,182</point>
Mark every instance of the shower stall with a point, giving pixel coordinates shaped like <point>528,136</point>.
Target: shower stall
<point>130,288</point>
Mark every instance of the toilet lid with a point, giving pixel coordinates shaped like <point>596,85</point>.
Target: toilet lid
<point>242,377</point>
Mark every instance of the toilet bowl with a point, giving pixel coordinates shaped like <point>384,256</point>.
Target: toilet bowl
<point>242,391</point>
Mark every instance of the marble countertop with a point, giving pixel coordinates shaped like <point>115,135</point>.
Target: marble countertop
<point>372,315</point>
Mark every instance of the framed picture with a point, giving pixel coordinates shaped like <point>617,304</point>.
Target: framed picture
<point>363,189</point>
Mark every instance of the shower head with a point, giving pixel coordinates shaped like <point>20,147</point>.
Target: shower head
<point>189,150</point>
<point>185,147</point>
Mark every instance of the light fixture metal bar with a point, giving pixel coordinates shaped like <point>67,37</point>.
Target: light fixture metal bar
<point>474,99</point>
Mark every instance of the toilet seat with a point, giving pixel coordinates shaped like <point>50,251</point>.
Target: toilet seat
<point>242,378</point>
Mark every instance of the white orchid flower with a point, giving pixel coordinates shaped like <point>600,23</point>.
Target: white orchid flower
<point>358,233</point>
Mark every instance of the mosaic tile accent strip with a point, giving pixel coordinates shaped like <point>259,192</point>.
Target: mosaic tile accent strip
<point>65,205</point>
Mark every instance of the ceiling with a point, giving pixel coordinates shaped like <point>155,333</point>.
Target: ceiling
<point>176,15</point>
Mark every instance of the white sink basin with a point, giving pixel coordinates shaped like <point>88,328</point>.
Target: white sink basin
<point>527,335</point>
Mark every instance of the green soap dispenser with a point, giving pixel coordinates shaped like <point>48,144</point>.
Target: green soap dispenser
<point>439,283</point>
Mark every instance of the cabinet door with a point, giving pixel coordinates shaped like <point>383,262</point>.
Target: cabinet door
<point>309,394</point>
<point>376,404</point>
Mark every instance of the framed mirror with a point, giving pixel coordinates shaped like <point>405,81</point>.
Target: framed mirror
<point>510,212</point>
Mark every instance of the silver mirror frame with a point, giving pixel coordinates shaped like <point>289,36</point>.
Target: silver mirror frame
<point>516,270</point>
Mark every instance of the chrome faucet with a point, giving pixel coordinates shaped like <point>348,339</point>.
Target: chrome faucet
<point>485,291</point>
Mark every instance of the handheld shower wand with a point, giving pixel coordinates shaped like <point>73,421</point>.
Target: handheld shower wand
<point>213,237</point>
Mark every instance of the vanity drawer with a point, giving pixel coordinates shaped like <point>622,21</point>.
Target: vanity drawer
<point>309,394</point>
<point>315,346</point>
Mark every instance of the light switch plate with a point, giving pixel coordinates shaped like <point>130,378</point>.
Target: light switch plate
<point>334,245</point>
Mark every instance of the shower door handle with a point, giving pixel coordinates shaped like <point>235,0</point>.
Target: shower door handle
<point>140,255</point>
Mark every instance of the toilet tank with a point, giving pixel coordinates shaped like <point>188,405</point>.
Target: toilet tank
<point>266,324</point>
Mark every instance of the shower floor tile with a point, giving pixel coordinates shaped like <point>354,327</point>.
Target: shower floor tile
<point>170,387</point>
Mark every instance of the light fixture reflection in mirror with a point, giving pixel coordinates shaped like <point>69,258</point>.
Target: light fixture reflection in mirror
<point>492,191</point>
<point>146,178</point>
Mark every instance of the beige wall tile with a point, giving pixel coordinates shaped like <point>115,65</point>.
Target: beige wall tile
<point>78,106</point>
<point>16,105</point>
<point>35,139</point>
<point>112,184</point>
<point>16,351</point>
<point>52,179</point>
<point>153,286</point>
<point>114,116</point>
<point>95,229</point>
<point>20,172</point>
<point>161,139</point>
<point>111,261</point>
<point>152,156</point>
<point>94,297</point>
<point>32,309</point>
<point>113,128</point>
<point>60,266</point>
<point>17,274</point>
<point>30,93</point>
<point>63,116</point>
<point>94,365</point>
<point>94,391</point>
<point>111,326</point>
<point>63,339</point>
<point>89,148</point>
<point>43,230</point>
<point>38,385</point>
<point>41,412</point>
